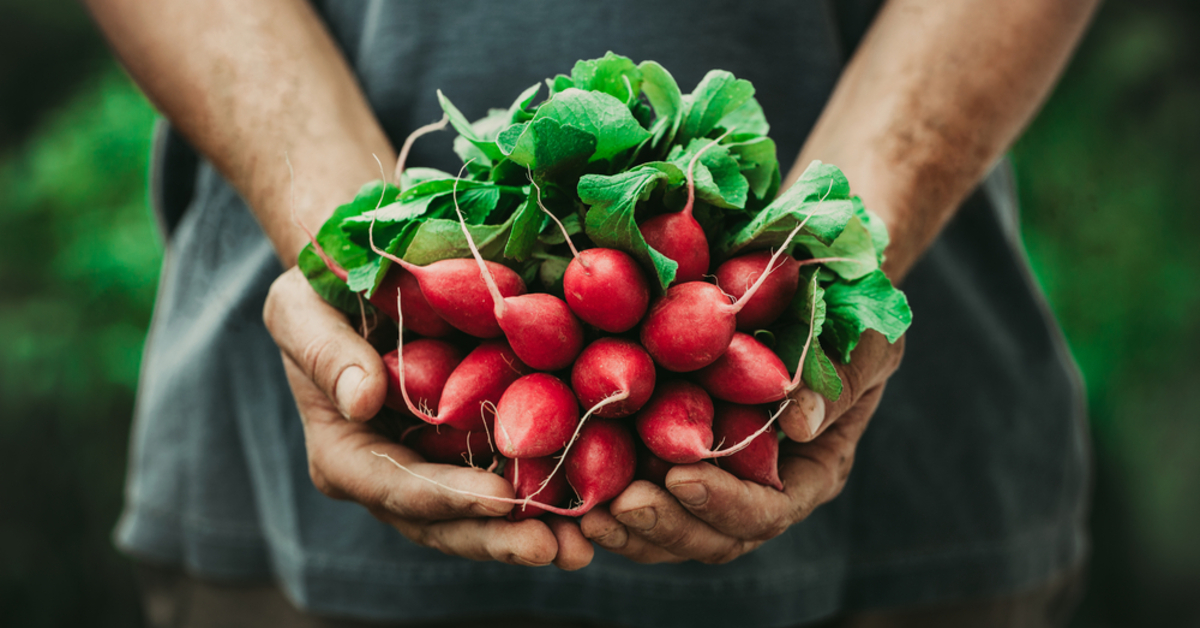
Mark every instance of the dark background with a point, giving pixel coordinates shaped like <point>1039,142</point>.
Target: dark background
<point>1109,176</point>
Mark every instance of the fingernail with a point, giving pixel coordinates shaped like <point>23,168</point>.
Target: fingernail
<point>347,387</point>
<point>813,406</point>
<point>513,558</point>
<point>640,519</point>
<point>690,493</point>
<point>615,538</point>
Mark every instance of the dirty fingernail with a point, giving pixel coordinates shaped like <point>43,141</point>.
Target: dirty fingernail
<point>615,538</point>
<point>347,387</point>
<point>813,406</point>
<point>640,519</point>
<point>522,561</point>
<point>690,493</point>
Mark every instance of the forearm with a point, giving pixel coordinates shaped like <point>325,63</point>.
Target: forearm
<point>248,83</point>
<point>934,95</point>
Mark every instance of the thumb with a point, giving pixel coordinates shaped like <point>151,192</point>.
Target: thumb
<point>329,352</point>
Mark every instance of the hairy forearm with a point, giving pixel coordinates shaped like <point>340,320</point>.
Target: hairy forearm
<point>934,95</point>
<point>248,83</point>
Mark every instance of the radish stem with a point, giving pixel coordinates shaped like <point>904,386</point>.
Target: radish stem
<point>412,137</point>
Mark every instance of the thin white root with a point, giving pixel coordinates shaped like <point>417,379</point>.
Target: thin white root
<point>488,280</point>
<point>412,138</point>
<point>721,453</point>
<point>506,500</point>
<point>619,395</point>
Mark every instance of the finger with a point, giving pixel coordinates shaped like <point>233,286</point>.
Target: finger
<point>601,527</point>
<point>530,542</point>
<point>574,550</point>
<point>649,512</point>
<point>734,507</point>
<point>872,362</point>
<point>327,349</point>
<point>815,472</point>
<point>343,465</point>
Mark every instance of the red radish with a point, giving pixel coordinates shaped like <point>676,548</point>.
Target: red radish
<point>427,365</point>
<point>604,287</point>
<point>750,373</point>
<point>691,325</point>
<point>479,380</point>
<point>527,476</point>
<point>678,236</point>
<point>540,327</point>
<point>446,445</point>
<point>535,417</point>
<point>598,469</point>
<point>608,367</point>
<point>759,460</point>
<point>652,468</point>
<point>418,315</point>
<point>677,424</point>
<point>736,275</point>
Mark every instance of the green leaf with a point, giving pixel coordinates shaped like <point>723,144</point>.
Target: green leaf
<point>822,192</point>
<point>422,199</point>
<point>571,222</point>
<point>546,144</point>
<point>749,119</point>
<point>718,94</point>
<point>460,124</point>
<point>868,303</point>
<point>757,161</point>
<point>605,118</point>
<point>855,244</point>
<point>438,239</point>
<point>485,129</point>
<point>663,92</point>
<point>417,175</point>
<point>611,222</point>
<point>819,372</point>
<point>559,83</point>
<point>551,271</point>
<point>337,244</point>
<point>875,226</point>
<point>527,224</point>
<point>519,110</point>
<point>612,74</point>
<point>718,178</point>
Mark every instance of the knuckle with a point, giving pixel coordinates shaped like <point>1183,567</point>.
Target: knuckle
<point>772,530</point>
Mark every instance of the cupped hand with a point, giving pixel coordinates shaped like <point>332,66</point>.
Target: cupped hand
<point>339,383</point>
<point>708,515</point>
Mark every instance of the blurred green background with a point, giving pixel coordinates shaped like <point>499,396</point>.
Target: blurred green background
<point>1109,176</point>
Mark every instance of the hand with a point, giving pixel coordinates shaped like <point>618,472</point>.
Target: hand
<point>339,383</point>
<point>713,517</point>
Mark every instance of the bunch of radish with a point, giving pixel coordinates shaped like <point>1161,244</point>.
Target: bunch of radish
<point>586,303</point>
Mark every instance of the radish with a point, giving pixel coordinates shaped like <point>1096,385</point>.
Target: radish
<point>527,476</point>
<point>418,315</point>
<point>535,417</point>
<point>613,367</point>
<point>758,461</point>
<point>598,469</point>
<point>652,468</point>
<point>427,365</point>
<point>478,381</point>
<point>604,287</point>
<point>692,325</point>
<point>678,236</point>
<point>677,425</point>
<point>738,274</point>
<point>540,327</point>
<point>446,445</point>
<point>750,373</point>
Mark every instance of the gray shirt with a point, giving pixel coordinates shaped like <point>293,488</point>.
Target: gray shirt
<point>970,480</point>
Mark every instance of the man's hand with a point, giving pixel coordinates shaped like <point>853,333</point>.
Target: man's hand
<point>339,382</point>
<point>713,517</point>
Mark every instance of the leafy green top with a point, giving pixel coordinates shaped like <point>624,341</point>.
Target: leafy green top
<point>608,147</point>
